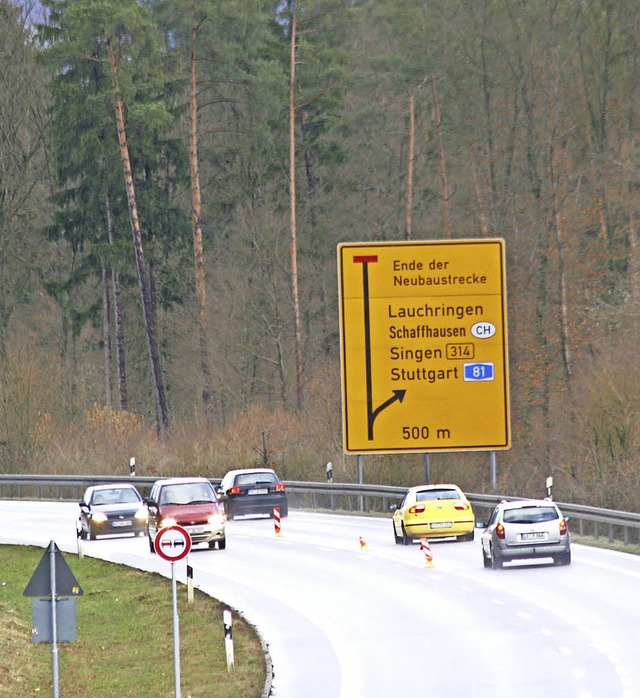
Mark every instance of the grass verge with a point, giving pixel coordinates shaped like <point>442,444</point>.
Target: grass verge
<point>602,542</point>
<point>125,637</point>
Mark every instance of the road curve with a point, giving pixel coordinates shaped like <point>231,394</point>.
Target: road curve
<point>345,612</point>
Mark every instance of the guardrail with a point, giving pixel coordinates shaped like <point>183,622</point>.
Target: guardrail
<point>332,496</point>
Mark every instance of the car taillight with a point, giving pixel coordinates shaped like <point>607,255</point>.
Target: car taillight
<point>461,506</point>
<point>417,509</point>
<point>280,487</point>
<point>563,527</point>
<point>234,490</point>
<point>500,531</point>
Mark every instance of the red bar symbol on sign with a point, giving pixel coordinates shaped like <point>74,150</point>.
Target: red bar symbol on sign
<point>365,258</point>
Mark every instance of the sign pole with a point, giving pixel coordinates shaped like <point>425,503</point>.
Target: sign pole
<point>173,543</point>
<point>54,621</point>
<point>176,631</point>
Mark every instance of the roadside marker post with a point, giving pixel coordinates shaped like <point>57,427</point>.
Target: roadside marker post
<point>276,520</point>
<point>426,549</point>
<point>189,583</point>
<point>228,638</point>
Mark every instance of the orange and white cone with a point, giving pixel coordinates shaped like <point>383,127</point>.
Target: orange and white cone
<point>276,520</point>
<point>426,549</point>
<point>363,543</point>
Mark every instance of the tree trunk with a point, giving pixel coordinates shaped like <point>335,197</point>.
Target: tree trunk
<point>292,198</point>
<point>410,156</point>
<point>444,187</point>
<point>145,291</point>
<point>106,336</point>
<point>117,316</point>
<point>196,218</point>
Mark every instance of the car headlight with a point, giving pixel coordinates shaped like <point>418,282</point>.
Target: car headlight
<point>141,514</point>
<point>98,517</point>
<point>167,522</point>
<point>216,519</point>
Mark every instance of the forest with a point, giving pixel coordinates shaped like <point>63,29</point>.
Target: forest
<point>176,176</point>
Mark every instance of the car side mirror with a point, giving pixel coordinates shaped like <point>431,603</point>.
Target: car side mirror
<point>84,506</point>
<point>151,505</point>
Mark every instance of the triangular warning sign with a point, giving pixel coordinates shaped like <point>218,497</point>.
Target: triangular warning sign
<point>40,583</point>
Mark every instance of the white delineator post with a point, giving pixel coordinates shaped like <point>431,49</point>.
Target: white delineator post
<point>228,638</point>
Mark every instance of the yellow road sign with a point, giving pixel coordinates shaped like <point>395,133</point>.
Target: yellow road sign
<point>423,328</point>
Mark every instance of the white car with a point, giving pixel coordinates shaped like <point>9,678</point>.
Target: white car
<point>527,528</point>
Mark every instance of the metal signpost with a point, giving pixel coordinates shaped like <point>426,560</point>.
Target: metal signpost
<point>424,346</point>
<point>173,543</point>
<point>53,579</point>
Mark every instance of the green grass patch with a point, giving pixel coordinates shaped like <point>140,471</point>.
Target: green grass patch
<point>125,637</point>
<point>602,542</point>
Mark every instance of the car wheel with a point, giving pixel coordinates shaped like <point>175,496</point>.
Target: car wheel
<point>496,562</point>
<point>486,561</point>
<point>406,540</point>
<point>222,544</point>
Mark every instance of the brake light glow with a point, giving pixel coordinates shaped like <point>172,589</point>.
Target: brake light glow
<point>460,506</point>
<point>500,531</point>
<point>234,490</point>
<point>563,527</point>
<point>417,509</point>
<point>280,487</point>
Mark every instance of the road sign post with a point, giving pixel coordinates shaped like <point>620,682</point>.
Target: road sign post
<point>173,543</point>
<point>53,578</point>
<point>424,346</point>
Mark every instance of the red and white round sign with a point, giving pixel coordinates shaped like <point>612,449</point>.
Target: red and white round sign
<point>172,543</point>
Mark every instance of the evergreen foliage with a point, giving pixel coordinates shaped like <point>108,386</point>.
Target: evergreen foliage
<point>526,127</point>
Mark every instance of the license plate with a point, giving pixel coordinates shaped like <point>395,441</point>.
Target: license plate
<point>118,524</point>
<point>533,536</point>
<point>196,529</point>
<point>441,524</point>
<point>260,491</point>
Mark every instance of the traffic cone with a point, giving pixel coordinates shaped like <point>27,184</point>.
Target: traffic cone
<point>426,549</point>
<point>276,520</point>
<point>363,544</point>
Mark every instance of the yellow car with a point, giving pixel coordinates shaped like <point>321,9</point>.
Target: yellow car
<point>433,511</point>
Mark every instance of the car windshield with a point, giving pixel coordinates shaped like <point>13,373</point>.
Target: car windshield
<point>530,515</point>
<point>432,495</point>
<point>115,496</point>
<point>187,493</point>
<point>255,479</point>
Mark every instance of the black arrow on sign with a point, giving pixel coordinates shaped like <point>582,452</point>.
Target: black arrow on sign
<point>398,395</point>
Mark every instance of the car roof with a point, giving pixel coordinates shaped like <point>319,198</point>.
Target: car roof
<point>249,470</point>
<point>115,485</point>
<point>519,503</point>
<point>436,486</point>
<point>181,480</point>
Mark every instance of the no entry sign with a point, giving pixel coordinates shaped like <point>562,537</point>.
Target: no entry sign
<point>172,543</point>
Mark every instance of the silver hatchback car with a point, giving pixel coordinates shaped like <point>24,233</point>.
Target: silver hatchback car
<point>527,528</point>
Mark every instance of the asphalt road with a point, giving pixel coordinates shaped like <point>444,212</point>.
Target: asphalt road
<point>345,612</point>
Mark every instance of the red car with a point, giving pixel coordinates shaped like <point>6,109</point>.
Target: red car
<point>190,502</point>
